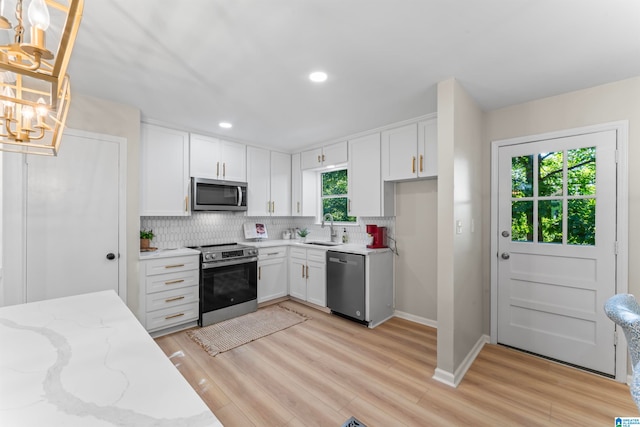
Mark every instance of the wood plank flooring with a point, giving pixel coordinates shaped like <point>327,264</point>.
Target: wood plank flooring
<point>327,369</point>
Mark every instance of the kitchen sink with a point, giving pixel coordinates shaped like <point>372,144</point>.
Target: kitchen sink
<point>324,243</point>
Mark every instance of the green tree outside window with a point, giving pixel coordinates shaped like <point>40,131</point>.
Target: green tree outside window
<point>334,195</point>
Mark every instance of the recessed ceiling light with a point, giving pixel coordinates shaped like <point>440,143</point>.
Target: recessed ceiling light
<point>318,76</point>
<point>225,125</point>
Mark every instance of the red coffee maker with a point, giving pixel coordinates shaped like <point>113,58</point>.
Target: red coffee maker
<point>379,236</point>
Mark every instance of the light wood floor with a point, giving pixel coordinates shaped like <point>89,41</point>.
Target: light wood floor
<point>327,369</point>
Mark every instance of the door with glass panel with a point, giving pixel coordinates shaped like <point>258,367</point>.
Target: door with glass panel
<point>556,248</point>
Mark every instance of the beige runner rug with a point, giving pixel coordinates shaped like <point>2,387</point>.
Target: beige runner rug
<point>229,334</point>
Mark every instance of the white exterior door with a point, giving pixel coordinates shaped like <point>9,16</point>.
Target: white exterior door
<point>72,222</point>
<point>557,248</point>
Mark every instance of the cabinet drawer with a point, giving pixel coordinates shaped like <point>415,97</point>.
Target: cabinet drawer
<point>165,282</point>
<point>317,256</point>
<point>171,316</point>
<point>298,253</point>
<point>172,265</point>
<point>267,253</point>
<point>172,298</point>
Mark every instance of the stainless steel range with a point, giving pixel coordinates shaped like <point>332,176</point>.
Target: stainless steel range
<point>228,282</point>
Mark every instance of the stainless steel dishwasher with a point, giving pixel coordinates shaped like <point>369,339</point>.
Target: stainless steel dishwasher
<point>346,285</point>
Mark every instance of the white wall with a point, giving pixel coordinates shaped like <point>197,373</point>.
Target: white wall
<point>460,291</point>
<point>416,265</point>
<point>601,104</point>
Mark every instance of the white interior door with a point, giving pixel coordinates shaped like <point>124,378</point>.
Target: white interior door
<point>72,220</point>
<point>557,248</point>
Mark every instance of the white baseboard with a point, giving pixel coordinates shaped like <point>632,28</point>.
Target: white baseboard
<point>416,319</point>
<point>453,380</point>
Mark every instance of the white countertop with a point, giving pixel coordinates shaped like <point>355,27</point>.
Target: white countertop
<point>351,248</point>
<point>86,361</point>
<point>166,253</point>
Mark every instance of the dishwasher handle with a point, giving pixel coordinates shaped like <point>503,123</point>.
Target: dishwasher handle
<point>341,261</point>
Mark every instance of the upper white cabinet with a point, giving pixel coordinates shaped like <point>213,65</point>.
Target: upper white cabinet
<point>368,194</point>
<point>410,151</point>
<point>268,183</point>
<point>304,191</point>
<point>164,171</point>
<point>328,155</point>
<point>215,158</point>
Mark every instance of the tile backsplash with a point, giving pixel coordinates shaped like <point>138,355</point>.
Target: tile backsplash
<point>210,228</point>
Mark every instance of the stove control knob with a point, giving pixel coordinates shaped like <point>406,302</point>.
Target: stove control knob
<point>207,256</point>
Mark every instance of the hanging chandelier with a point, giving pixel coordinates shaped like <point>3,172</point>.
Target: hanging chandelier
<point>34,86</point>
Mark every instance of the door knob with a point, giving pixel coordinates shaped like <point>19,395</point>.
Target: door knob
<point>505,255</point>
<point>111,256</point>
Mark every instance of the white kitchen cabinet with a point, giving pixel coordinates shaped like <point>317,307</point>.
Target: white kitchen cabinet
<point>304,189</point>
<point>215,158</point>
<point>164,171</point>
<point>410,152</point>
<point>329,155</point>
<point>272,273</point>
<point>268,183</point>
<point>369,195</point>
<point>169,291</point>
<point>308,276</point>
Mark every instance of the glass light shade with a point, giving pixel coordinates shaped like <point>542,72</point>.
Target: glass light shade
<point>39,14</point>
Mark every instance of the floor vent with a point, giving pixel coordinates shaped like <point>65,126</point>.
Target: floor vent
<point>353,422</point>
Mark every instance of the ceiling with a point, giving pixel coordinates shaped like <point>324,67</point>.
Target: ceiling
<point>193,64</point>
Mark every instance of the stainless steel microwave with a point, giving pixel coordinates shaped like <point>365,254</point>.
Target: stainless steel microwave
<point>217,195</point>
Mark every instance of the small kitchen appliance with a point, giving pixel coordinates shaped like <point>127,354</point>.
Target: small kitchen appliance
<point>379,236</point>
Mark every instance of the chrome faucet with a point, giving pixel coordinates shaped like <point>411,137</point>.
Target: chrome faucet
<point>334,233</point>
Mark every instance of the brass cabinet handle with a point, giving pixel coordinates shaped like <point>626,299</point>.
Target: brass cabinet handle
<point>298,207</point>
<point>174,266</point>
<point>421,161</point>
<point>413,164</point>
<point>323,157</point>
<point>349,207</point>
<point>174,316</point>
<point>303,271</point>
<point>224,170</point>
<point>217,168</point>
<point>272,253</point>
<point>259,273</point>
<point>273,207</point>
<point>174,299</point>
<point>173,282</point>
<point>307,271</point>
<point>319,161</point>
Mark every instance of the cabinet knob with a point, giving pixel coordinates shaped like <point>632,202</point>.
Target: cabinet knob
<point>111,256</point>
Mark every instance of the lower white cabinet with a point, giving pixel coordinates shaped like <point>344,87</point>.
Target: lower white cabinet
<point>272,273</point>
<point>169,291</point>
<point>307,275</point>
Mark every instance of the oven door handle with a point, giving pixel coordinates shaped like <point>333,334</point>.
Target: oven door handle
<point>207,265</point>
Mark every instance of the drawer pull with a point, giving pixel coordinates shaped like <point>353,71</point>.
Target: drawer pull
<point>174,266</point>
<point>272,253</point>
<point>174,316</point>
<point>174,299</point>
<point>173,282</point>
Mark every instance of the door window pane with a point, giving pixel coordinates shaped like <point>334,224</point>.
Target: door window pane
<point>550,221</point>
<point>522,176</point>
<point>581,222</point>
<point>522,221</point>
<point>581,171</point>
<point>550,174</point>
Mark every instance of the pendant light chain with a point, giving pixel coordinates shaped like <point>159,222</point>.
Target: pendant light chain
<point>19,27</point>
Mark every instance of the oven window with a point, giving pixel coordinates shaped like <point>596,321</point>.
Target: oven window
<point>226,286</point>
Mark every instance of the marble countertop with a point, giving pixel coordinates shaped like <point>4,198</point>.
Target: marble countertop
<point>166,253</point>
<point>351,248</point>
<point>86,361</point>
